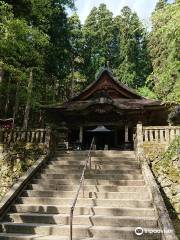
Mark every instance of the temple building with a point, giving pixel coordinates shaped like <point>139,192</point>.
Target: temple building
<point>108,110</point>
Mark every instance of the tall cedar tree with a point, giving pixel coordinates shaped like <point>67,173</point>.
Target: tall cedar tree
<point>98,41</point>
<point>32,24</point>
<point>76,49</point>
<point>58,57</point>
<point>160,4</point>
<point>21,48</point>
<point>50,17</point>
<point>133,62</point>
<point>164,48</point>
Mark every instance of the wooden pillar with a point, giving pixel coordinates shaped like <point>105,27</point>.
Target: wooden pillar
<point>126,134</point>
<point>116,137</point>
<point>81,134</point>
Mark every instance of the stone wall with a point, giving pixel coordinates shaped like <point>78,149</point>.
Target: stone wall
<point>150,147</point>
<point>166,168</point>
<point>15,163</point>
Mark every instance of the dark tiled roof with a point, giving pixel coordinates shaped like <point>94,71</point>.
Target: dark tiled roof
<point>119,103</point>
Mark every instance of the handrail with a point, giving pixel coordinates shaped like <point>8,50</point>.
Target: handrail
<point>81,184</point>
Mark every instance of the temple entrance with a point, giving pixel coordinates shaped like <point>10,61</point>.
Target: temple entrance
<point>103,137</point>
<point>110,138</point>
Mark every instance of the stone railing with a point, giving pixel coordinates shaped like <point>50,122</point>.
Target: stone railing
<point>158,139</point>
<point>154,138</point>
<point>164,134</point>
<point>30,136</point>
<point>149,140</point>
<point>37,136</point>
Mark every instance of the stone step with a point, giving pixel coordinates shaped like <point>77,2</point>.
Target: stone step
<point>116,200</point>
<point>99,188</point>
<point>99,153</point>
<point>94,220</point>
<point>92,176</point>
<point>90,182</point>
<point>86,202</point>
<point>110,211</point>
<point>98,171</point>
<point>98,167</point>
<point>124,232</point>
<point>80,231</point>
<point>94,163</point>
<point>44,229</point>
<point>100,158</point>
<point>14,236</point>
<point>96,195</point>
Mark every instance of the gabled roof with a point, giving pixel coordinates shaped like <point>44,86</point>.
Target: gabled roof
<point>106,81</point>
<point>120,96</point>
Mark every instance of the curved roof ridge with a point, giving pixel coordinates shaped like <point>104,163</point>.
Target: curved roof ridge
<point>109,72</point>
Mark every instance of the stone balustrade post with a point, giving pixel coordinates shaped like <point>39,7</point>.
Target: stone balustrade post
<point>1,142</point>
<point>139,147</point>
<point>48,137</point>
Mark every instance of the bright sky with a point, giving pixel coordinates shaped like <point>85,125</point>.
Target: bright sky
<point>143,8</point>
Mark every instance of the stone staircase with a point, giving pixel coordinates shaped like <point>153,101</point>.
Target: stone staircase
<point>116,201</point>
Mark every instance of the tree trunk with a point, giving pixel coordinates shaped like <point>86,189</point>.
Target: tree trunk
<point>16,106</point>
<point>28,106</point>
<point>7,98</point>
<point>1,73</point>
<point>41,119</point>
<point>1,92</point>
<point>72,80</point>
<point>54,89</point>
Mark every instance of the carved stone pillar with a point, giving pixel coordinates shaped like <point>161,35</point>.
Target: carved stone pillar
<point>126,134</point>
<point>63,133</point>
<point>81,135</point>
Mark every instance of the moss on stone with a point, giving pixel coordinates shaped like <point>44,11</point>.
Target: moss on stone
<point>165,161</point>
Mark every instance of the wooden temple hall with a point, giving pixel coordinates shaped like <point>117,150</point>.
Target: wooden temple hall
<point>107,110</point>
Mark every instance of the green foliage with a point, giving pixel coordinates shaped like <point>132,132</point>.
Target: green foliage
<point>120,43</point>
<point>6,13</point>
<point>174,116</point>
<point>37,12</point>
<point>160,4</point>
<point>34,35</point>
<point>20,7</point>
<point>164,49</point>
<point>147,93</point>
<point>17,41</point>
<point>21,47</point>
<point>58,59</point>
<point>76,51</point>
